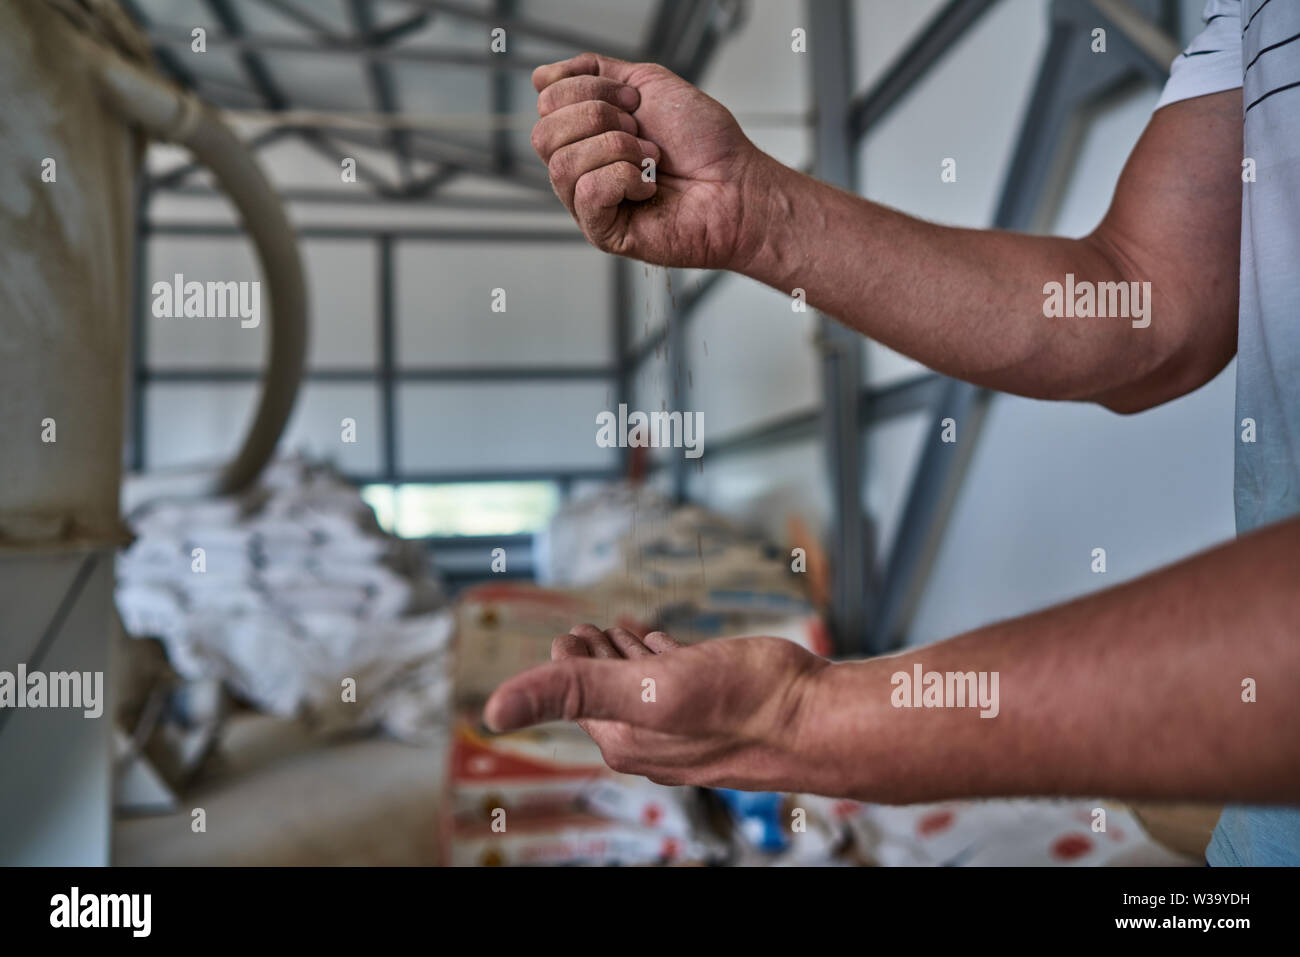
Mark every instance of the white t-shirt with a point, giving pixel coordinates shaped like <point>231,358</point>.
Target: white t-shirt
<point>1255,45</point>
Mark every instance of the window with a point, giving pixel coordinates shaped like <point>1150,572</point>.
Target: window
<point>466,508</point>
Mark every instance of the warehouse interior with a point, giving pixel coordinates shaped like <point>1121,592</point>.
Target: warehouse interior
<point>435,509</point>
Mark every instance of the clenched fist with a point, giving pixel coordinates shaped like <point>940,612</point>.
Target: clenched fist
<point>602,118</point>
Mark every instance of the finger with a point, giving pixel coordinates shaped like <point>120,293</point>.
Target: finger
<point>584,63</point>
<point>597,641</point>
<point>659,642</point>
<point>628,643</point>
<point>569,646</point>
<point>569,690</point>
<point>570,163</point>
<point>575,645</point>
<point>597,196</point>
<point>579,89</point>
<point>580,121</point>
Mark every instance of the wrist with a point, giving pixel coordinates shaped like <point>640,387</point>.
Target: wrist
<point>843,721</point>
<point>767,204</point>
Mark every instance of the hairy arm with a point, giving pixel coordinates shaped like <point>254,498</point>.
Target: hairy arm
<point>968,303</point>
<point>1133,692</point>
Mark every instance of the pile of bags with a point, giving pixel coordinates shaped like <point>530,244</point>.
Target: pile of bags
<point>294,599</point>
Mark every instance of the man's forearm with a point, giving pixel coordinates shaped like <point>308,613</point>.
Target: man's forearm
<point>968,303</point>
<point>1133,692</point>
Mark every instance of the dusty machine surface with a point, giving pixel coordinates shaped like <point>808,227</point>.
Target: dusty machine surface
<point>78,99</point>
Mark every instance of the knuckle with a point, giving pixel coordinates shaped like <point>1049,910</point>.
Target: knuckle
<point>538,137</point>
<point>620,143</point>
<point>585,190</point>
<point>559,166</point>
<point>584,87</point>
<point>608,116</point>
<point>573,693</point>
<point>597,114</point>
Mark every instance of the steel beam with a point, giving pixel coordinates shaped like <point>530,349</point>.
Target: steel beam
<point>326,195</point>
<point>253,65</point>
<point>499,94</point>
<point>382,36</point>
<point>301,15</point>
<point>446,234</point>
<point>575,41</point>
<point>936,38</point>
<point>320,143</point>
<point>1145,29</point>
<point>620,308</point>
<point>675,366</point>
<point>920,393</point>
<point>938,477</point>
<point>382,90</point>
<point>830,38</point>
<point>388,353</point>
<point>169,59</point>
<point>539,373</point>
<point>425,145</point>
<point>368,51</point>
<point>666,30</point>
<point>1070,79</point>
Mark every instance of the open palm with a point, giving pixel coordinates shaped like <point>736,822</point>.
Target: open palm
<point>723,713</point>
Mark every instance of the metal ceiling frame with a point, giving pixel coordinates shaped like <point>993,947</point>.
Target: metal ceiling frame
<point>684,35</point>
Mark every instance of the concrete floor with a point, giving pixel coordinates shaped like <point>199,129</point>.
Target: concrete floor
<point>274,794</point>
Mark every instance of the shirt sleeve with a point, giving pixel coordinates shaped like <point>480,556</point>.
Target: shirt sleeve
<point>1212,62</point>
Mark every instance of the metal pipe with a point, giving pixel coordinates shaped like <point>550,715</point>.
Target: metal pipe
<point>167,113</point>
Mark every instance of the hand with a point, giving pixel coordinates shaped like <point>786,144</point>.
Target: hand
<point>600,118</point>
<point>731,712</point>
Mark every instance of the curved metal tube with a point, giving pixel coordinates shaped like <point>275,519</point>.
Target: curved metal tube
<point>175,116</point>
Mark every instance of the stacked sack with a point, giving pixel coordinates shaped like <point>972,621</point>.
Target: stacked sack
<point>544,795</point>
<point>285,593</point>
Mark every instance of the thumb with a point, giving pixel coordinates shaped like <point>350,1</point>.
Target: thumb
<point>567,691</point>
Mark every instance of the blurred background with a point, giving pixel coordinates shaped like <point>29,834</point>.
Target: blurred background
<point>298,648</point>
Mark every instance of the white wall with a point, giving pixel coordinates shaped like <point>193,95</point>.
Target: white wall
<point>558,298</point>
